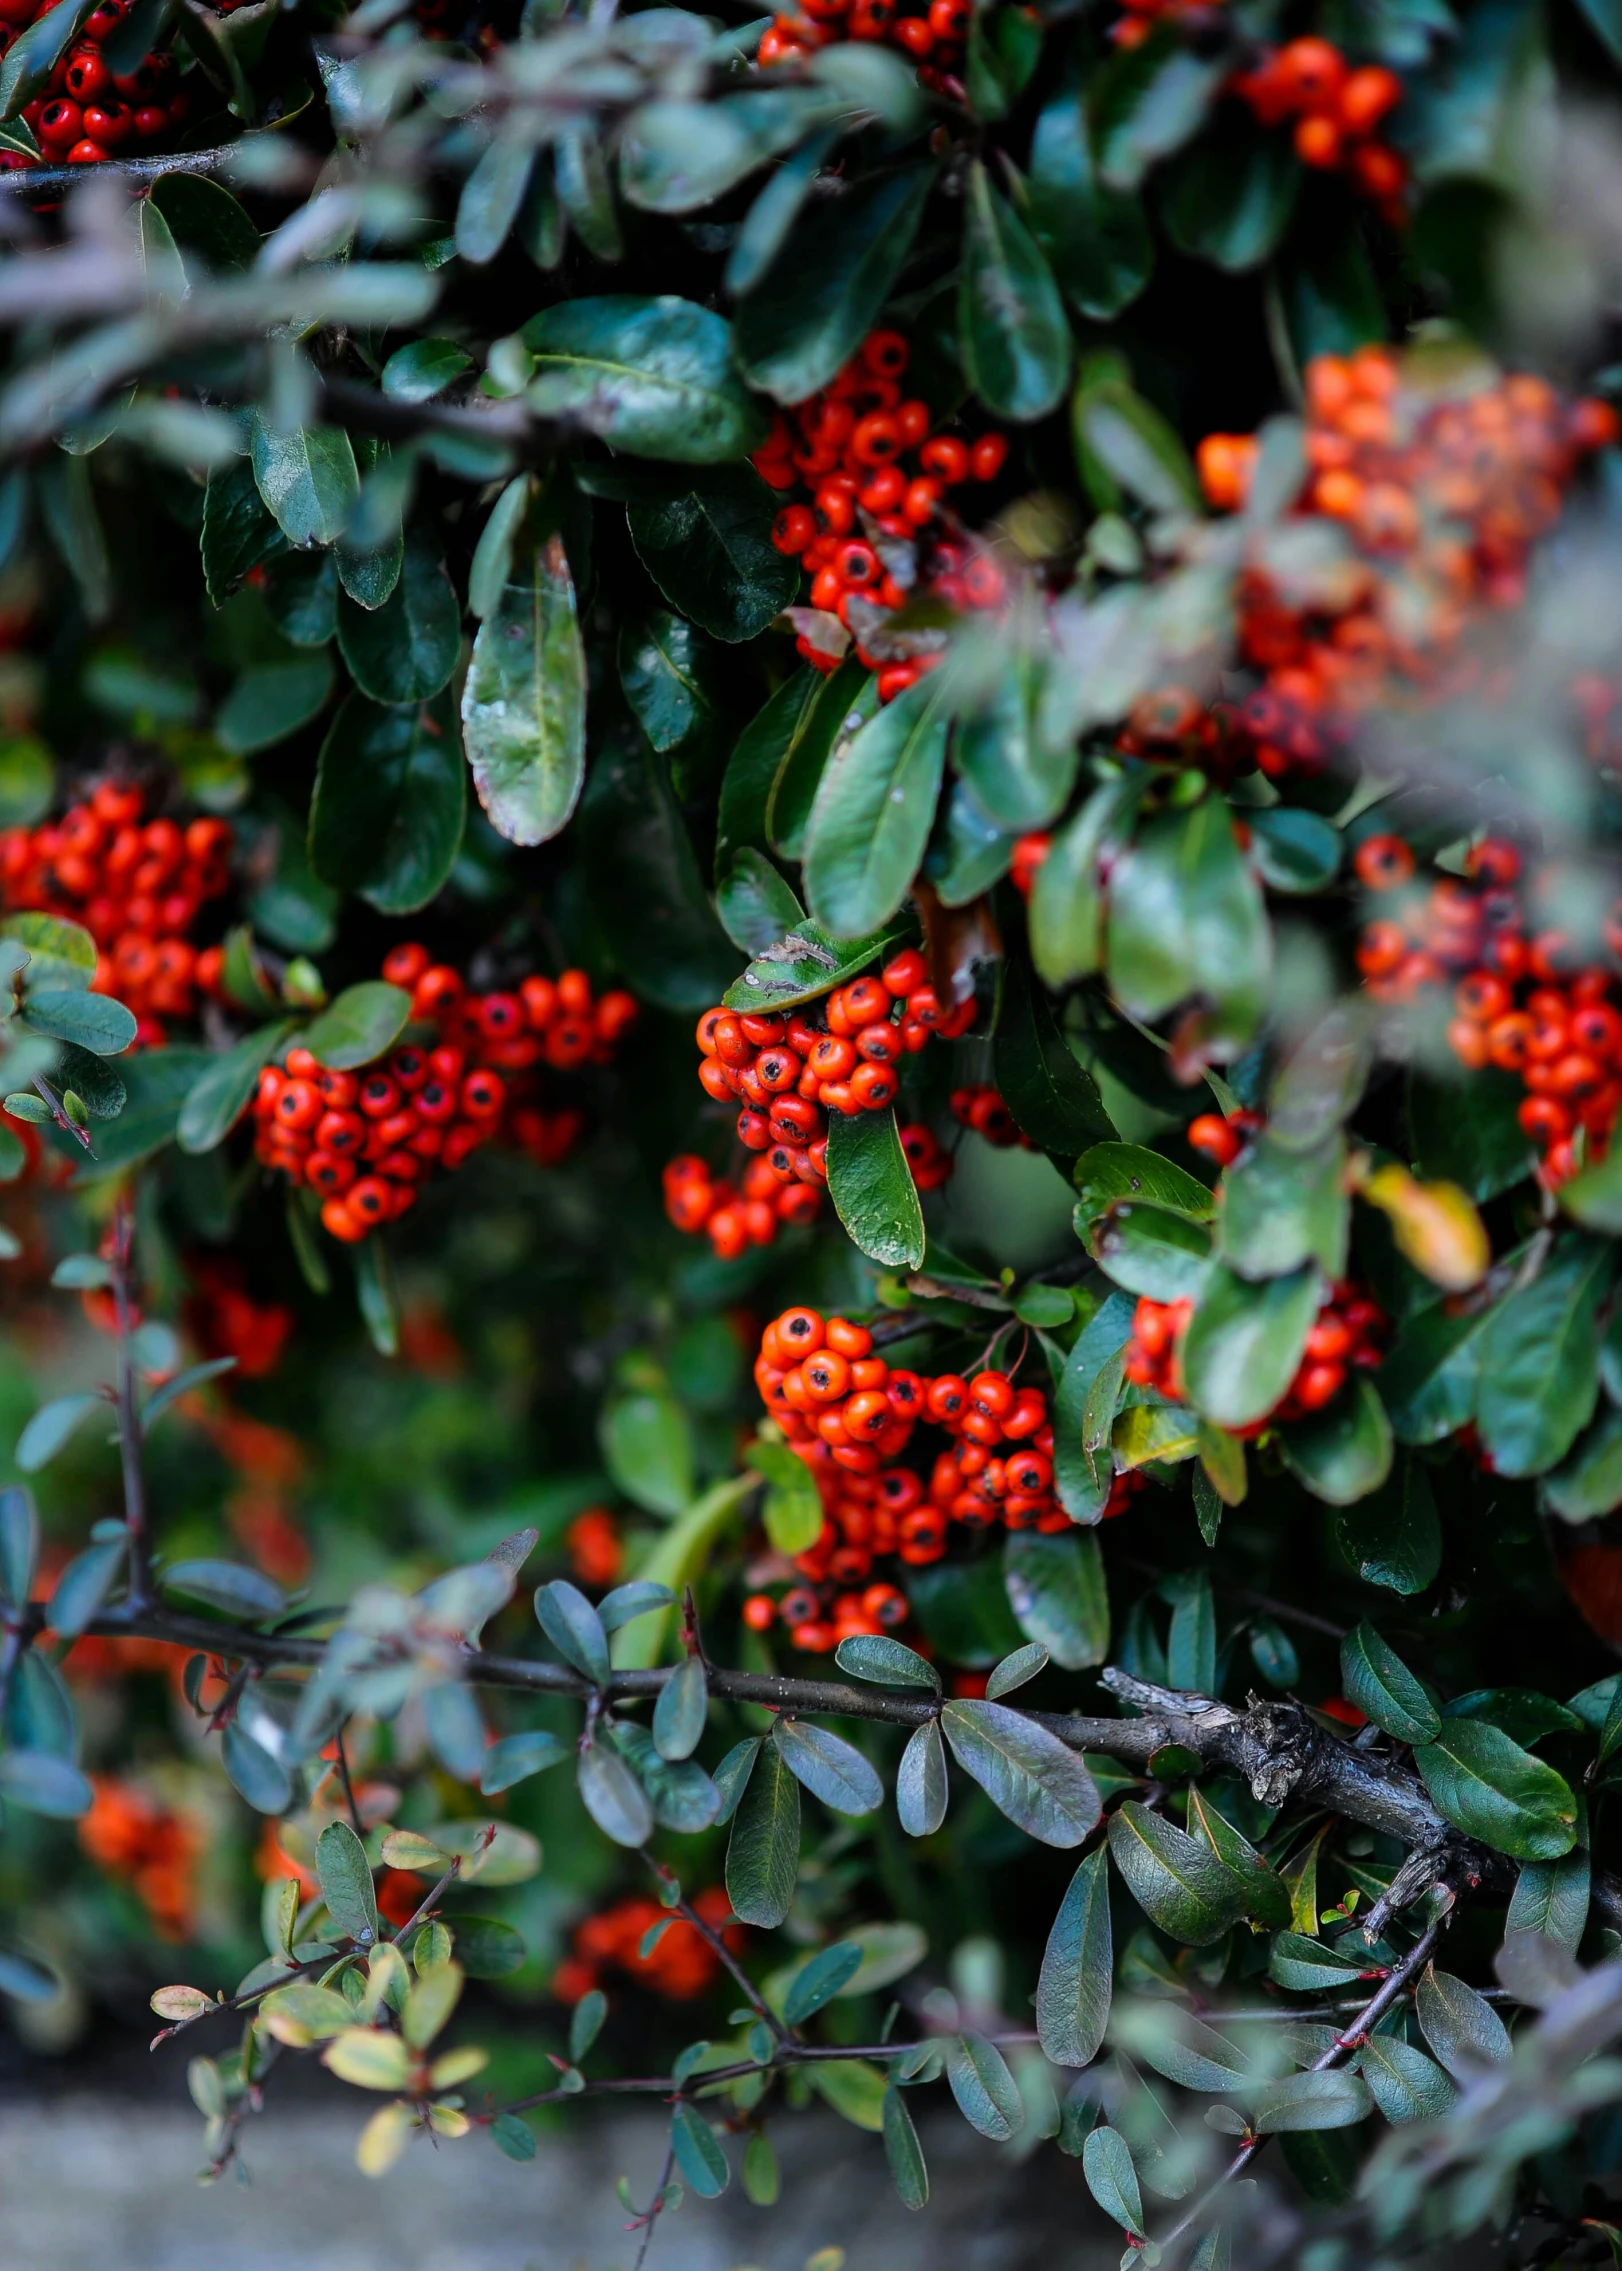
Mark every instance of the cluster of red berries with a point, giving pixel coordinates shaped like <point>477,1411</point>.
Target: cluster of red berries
<point>226,1320</point>
<point>87,113</point>
<point>1222,1136</point>
<point>787,1074</point>
<point>1338,113</point>
<point>680,1963</point>
<point>1441,489</point>
<point>136,885</point>
<point>155,1848</point>
<point>366,1140</point>
<point>1346,1334</point>
<point>1521,1001</point>
<point>982,1109</point>
<point>850,1418</point>
<point>934,37</point>
<point>877,530</point>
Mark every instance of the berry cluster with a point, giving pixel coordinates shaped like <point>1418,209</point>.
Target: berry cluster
<point>153,1847</point>
<point>678,1964</point>
<point>850,1418</point>
<point>1346,1333</point>
<point>88,114</point>
<point>1521,1002</point>
<point>982,1109</point>
<point>788,1074</point>
<point>1441,494</point>
<point>1338,113</point>
<point>877,531</point>
<point>1132,29</point>
<point>934,37</point>
<point>138,887</point>
<point>595,1548</point>
<point>226,1320</point>
<point>366,1140</point>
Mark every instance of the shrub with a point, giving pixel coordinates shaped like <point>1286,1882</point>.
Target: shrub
<point>809,840</point>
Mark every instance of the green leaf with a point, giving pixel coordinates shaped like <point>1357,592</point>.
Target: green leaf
<point>901,2149</point>
<point>1245,1342</point>
<point>1375,1678</point>
<point>763,1853</point>
<point>1343,1452</point>
<point>1294,851</point>
<point>1191,1644</point>
<point>1074,1988</point>
<point>1123,444</point>
<point>1540,1359</point>
<point>1280,1208</point>
<point>1229,198</point>
<point>308,479</point>
<point>1461,2026</point>
<point>1186,918</point>
<point>1178,2045</point>
<point>38,1782</point>
<point>920,1783</point>
<point>755,902</point>
<point>26,1980</point>
<point>524,701</point>
<point>887,1663</point>
<point>346,1882</point>
<point>51,1428</point>
<point>628,1602</point>
<point>792,1508</point>
<point>1467,1132</point>
<point>986,2092</point>
<point>1332,2100</point>
<point>1265,1895</point>
<point>515,1757</point>
<point>1145,1250</point>
<point>829,1970</point>
<point>229,1586</point>
<point>264,1781</point>
<point>1106,2163</point>
<point>1012,330</point>
<point>874,808</point>
<point>1112,1171</point>
<point>405,650</point>
<point>963,1610</point>
<point>1027,1772</point>
<point>1176,1880</point>
<point>647,1447</point>
<point>1058,1591</point>
<point>1053,1100</point>
<point>1551,1898</point>
<point>708,547</point>
<point>19,1548</point>
<point>807,963</point>
<point>1016,1670</point>
<point>1311,1967</point>
<point>772,775</point>
<point>824,292</point>
<point>301,593</point>
<point>652,377</point>
<point>1098,242</point>
<point>1067,901</point>
<point>83,1586</point>
<point>271,701</point>
<point>422,369</point>
<point>670,676</point>
<point>1393,1537</point>
<point>61,954</point>
<point>1490,1788</point>
<point>681,1711</point>
<point>219,1097</point>
<point>158,1082</point>
<point>32,59</point>
<point>612,1795</point>
<point>1147,101</point>
<point>831,1769</point>
<point>699,2157</point>
<point>574,1629</point>
<point>359,1025</point>
<point>649,906</point>
<point>872,1188</point>
<point>90,1021</point>
<point>1091,1381</point>
<point>390,803</point>
<point>1330,294</point>
<point>1404,2083</point>
<point>491,197</point>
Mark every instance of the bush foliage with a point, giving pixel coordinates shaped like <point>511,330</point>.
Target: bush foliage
<point>1030,594</point>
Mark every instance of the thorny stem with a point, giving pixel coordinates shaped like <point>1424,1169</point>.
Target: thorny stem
<point>129,1418</point>
<point>1351,2037</point>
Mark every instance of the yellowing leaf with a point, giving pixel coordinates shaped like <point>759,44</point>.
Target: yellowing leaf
<point>383,2139</point>
<point>1435,1225</point>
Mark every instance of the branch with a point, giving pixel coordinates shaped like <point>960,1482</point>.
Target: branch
<point>1279,1748</point>
<point>1352,2037</point>
<point>713,2077</point>
<point>34,180</point>
<point>740,1978</point>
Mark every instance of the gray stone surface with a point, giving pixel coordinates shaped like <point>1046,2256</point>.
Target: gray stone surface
<point>89,2184</point>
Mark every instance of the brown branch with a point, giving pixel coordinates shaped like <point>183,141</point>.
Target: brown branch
<point>1279,1748</point>
<point>713,2077</point>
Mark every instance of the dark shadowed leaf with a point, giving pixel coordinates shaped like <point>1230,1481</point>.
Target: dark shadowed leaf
<point>763,1853</point>
<point>1176,1880</point>
<point>390,801</point>
<point>1053,1099</point>
<point>1012,330</point>
<point>524,702</point>
<point>1374,1677</point>
<point>707,544</point>
<point>1028,1773</point>
<point>654,377</point>
<point>1490,1788</point>
<point>406,649</point>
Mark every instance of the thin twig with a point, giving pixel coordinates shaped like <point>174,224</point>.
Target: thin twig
<point>655,2206</point>
<point>129,1418</point>
<point>355,1822</point>
<point>1352,2037</point>
<point>757,2002</point>
<point>33,180</point>
<point>245,2002</point>
<point>425,1908</point>
<point>713,2077</point>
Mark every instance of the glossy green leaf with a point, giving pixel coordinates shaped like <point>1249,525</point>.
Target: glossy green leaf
<point>1027,1773</point>
<point>921,1785</point>
<point>1229,198</point>
<point>524,702</point>
<point>876,1657</point>
<point>873,811</point>
<point>831,1769</point>
<point>406,649</point>
<point>681,1711</point>
<point>1057,1590</point>
<point>763,1853</point>
<point>1186,918</point>
<point>1343,1452</point>
<point>1540,1359</point>
<point>1375,1679</point>
<point>1012,330</point>
<point>1176,1880</point>
<point>1147,102</point>
<point>872,1189</point>
<point>1280,1208</point>
<point>574,1629</point>
<point>1098,242</point>
<point>356,1027</point>
<point>986,2092</point>
<point>653,377</point>
<point>1489,1787</point>
<point>308,479</point>
<point>708,546</point>
<point>390,803</point>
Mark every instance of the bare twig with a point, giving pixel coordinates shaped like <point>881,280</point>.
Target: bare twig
<point>714,2077</point>
<point>355,1822</point>
<point>35,181</point>
<point>648,2220</point>
<point>741,1979</point>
